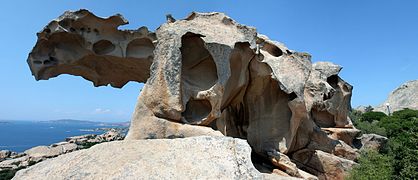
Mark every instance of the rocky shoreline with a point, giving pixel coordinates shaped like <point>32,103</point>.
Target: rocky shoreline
<point>11,162</point>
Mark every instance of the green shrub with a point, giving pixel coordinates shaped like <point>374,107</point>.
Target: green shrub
<point>355,116</point>
<point>402,131</point>
<point>9,173</point>
<point>401,122</point>
<point>402,149</point>
<point>372,116</point>
<point>372,165</point>
<point>370,128</point>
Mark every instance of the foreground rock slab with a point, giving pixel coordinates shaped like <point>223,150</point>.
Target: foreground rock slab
<point>197,157</point>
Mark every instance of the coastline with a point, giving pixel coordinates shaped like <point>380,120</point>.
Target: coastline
<point>11,162</point>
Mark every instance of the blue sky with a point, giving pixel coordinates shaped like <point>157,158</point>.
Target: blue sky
<point>375,41</point>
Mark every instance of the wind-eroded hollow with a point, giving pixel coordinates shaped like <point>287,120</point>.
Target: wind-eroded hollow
<point>198,73</point>
<point>272,49</point>
<point>103,47</point>
<point>198,67</point>
<point>140,48</point>
<point>196,110</point>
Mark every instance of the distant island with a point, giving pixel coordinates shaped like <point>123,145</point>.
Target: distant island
<point>73,121</point>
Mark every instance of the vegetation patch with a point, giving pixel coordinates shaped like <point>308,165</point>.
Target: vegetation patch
<point>399,159</point>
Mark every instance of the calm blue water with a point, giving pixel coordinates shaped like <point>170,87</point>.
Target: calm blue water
<point>21,135</point>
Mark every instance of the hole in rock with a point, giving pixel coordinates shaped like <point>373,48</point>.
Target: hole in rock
<point>103,47</point>
<point>47,62</point>
<point>196,110</point>
<point>140,48</point>
<point>64,23</point>
<point>198,67</point>
<point>333,81</point>
<point>346,88</point>
<point>272,49</point>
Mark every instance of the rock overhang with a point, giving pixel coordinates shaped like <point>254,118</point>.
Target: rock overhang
<point>82,44</point>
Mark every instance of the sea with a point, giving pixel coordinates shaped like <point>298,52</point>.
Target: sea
<point>19,136</point>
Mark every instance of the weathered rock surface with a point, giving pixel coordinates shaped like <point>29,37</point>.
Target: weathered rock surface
<point>209,75</point>
<point>322,164</point>
<point>4,154</point>
<point>182,158</point>
<point>405,96</point>
<point>371,141</point>
<point>45,151</point>
<point>14,163</point>
<point>82,44</point>
<point>344,134</point>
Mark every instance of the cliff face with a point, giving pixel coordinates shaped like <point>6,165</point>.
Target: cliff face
<point>405,96</point>
<point>209,75</point>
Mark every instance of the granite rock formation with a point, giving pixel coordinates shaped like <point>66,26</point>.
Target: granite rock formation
<point>209,75</point>
<point>82,44</point>
<point>405,96</point>
<point>160,159</point>
<point>371,141</point>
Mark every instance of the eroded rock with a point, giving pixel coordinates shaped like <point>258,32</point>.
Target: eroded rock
<point>344,134</point>
<point>322,164</point>
<point>82,44</point>
<point>46,151</point>
<point>371,141</point>
<point>210,76</point>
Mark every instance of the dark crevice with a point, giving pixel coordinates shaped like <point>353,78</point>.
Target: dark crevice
<point>333,81</point>
<point>261,163</point>
<point>272,49</point>
<point>292,96</point>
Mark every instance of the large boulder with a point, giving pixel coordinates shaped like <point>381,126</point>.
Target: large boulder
<point>322,164</point>
<point>405,96</point>
<point>4,154</point>
<point>182,158</point>
<point>48,151</point>
<point>14,163</point>
<point>344,134</point>
<point>371,141</point>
